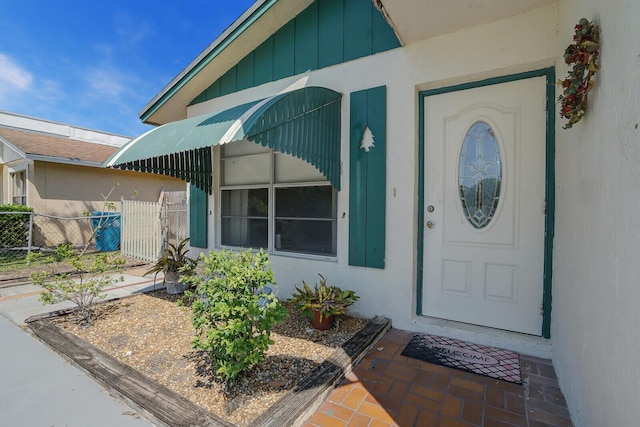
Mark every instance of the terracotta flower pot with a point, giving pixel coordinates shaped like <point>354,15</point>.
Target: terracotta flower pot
<point>323,325</point>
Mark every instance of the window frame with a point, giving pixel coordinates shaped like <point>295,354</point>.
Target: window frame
<point>23,194</point>
<point>272,187</point>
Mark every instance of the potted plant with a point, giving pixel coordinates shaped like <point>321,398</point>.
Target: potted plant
<point>173,263</point>
<point>322,303</point>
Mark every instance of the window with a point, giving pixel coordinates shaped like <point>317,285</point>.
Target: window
<point>245,217</point>
<point>305,219</point>
<point>19,188</point>
<point>480,174</point>
<point>275,201</point>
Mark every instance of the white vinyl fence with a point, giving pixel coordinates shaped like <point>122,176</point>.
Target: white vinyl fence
<point>148,226</point>
<point>141,230</point>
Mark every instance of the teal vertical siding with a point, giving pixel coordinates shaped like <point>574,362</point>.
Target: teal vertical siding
<point>214,90</point>
<point>357,29</point>
<point>198,209</point>
<point>367,179</point>
<point>244,73</point>
<point>330,33</point>
<point>306,40</point>
<point>383,36</point>
<point>326,33</point>
<point>283,51</point>
<point>228,82</point>
<point>263,62</point>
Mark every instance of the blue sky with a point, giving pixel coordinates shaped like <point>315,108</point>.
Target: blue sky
<point>97,64</point>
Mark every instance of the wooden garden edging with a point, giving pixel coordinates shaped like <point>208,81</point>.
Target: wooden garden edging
<point>162,405</point>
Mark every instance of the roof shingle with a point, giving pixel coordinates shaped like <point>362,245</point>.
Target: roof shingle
<point>54,146</point>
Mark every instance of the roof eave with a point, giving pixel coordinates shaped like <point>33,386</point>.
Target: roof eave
<point>421,20</point>
<point>63,160</point>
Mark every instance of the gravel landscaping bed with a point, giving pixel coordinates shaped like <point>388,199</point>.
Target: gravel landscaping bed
<point>152,334</point>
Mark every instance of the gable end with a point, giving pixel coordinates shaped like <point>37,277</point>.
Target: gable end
<point>326,33</point>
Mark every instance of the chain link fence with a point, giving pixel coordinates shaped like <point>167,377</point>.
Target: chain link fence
<point>25,235</point>
<point>175,219</point>
<point>15,238</point>
<point>142,232</point>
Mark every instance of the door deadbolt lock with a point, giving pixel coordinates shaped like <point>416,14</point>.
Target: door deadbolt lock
<point>431,224</point>
<point>430,208</point>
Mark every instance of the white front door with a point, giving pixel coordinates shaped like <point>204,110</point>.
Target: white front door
<point>484,205</point>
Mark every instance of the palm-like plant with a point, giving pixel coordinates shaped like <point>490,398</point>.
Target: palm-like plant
<point>323,301</point>
<point>174,260</point>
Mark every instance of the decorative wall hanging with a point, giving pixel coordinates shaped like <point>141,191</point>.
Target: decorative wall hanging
<point>583,55</point>
<point>368,141</point>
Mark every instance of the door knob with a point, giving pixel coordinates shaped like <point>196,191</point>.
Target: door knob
<point>431,224</point>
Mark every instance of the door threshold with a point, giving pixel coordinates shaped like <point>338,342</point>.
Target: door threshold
<point>521,343</point>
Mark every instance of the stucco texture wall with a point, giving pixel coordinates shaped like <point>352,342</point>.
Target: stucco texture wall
<point>521,43</point>
<point>66,190</point>
<point>596,294</point>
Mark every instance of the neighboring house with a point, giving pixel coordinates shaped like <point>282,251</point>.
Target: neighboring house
<point>56,169</point>
<point>412,151</point>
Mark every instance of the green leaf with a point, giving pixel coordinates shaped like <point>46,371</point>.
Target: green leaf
<point>231,315</point>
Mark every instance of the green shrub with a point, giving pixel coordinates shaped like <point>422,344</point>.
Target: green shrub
<point>14,228</point>
<point>234,310</point>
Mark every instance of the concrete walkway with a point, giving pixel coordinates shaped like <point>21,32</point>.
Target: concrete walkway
<point>37,386</point>
<point>19,302</point>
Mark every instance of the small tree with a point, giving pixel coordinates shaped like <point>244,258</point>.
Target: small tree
<point>234,310</point>
<point>84,285</point>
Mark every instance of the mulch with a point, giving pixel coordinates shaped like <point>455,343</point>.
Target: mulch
<point>152,334</point>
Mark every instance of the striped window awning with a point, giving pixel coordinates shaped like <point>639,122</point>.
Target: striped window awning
<point>304,123</point>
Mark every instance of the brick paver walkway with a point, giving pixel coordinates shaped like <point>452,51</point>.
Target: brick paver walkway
<point>388,389</point>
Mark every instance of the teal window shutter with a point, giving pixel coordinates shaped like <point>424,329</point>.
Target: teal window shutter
<point>367,177</point>
<point>197,217</point>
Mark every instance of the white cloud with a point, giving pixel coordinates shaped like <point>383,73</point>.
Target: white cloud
<point>12,76</point>
<point>105,83</point>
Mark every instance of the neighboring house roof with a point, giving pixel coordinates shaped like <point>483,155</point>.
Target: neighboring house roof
<point>45,147</point>
<point>23,137</point>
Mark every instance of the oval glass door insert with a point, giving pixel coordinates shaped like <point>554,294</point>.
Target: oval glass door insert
<point>480,174</point>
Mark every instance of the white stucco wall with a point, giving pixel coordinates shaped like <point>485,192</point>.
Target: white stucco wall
<point>596,294</point>
<point>521,43</point>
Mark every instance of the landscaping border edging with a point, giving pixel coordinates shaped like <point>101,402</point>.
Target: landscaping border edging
<point>164,406</point>
<point>301,401</point>
<point>157,402</point>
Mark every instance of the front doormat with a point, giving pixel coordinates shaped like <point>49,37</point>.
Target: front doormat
<point>488,361</point>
